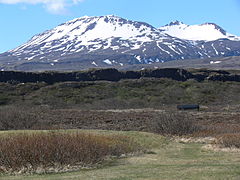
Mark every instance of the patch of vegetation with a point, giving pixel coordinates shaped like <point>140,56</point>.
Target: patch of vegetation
<point>15,118</point>
<point>29,152</point>
<point>177,124</point>
<point>12,93</point>
<point>141,93</point>
<point>229,140</point>
<point>167,160</point>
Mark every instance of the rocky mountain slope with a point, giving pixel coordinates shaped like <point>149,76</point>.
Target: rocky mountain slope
<point>111,41</point>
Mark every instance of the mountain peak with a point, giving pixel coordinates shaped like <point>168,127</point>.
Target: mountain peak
<point>173,23</point>
<point>217,27</point>
<point>92,31</point>
<point>89,18</point>
<point>112,16</point>
<point>203,32</point>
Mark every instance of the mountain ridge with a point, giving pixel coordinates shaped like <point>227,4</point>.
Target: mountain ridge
<point>205,32</point>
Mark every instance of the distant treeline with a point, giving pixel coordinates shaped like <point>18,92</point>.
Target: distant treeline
<point>115,75</point>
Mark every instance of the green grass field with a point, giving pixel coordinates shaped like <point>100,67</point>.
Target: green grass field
<point>165,159</point>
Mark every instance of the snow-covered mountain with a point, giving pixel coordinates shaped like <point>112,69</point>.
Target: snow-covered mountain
<point>90,32</point>
<point>111,41</point>
<point>202,32</point>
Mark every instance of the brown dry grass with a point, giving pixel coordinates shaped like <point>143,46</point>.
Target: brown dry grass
<point>30,151</point>
<point>174,123</point>
<point>231,140</point>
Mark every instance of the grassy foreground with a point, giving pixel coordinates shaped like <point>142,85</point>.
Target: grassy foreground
<point>167,160</point>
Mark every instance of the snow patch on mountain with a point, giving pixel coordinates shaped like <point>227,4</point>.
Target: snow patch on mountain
<point>215,62</point>
<point>107,61</point>
<point>94,63</point>
<point>203,32</point>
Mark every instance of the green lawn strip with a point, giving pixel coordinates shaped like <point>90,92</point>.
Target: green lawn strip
<point>167,160</point>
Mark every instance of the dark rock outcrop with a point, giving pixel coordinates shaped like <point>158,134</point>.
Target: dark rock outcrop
<point>224,78</point>
<point>173,73</point>
<point>115,75</point>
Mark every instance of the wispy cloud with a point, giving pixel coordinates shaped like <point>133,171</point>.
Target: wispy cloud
<point>53,6</point>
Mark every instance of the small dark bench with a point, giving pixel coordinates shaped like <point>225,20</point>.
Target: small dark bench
<point>188,107</point>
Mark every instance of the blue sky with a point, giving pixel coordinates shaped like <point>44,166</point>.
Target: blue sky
<point>21,19</point>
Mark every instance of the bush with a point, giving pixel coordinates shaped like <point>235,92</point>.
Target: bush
<point>174,124</point>
<point>34,150</point>
<point>13,117</point>
<point>229,140</point>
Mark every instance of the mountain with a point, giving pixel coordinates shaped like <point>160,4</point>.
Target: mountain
<point>111,41</point>
<point>203,32</point>
<point>217,63</point>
